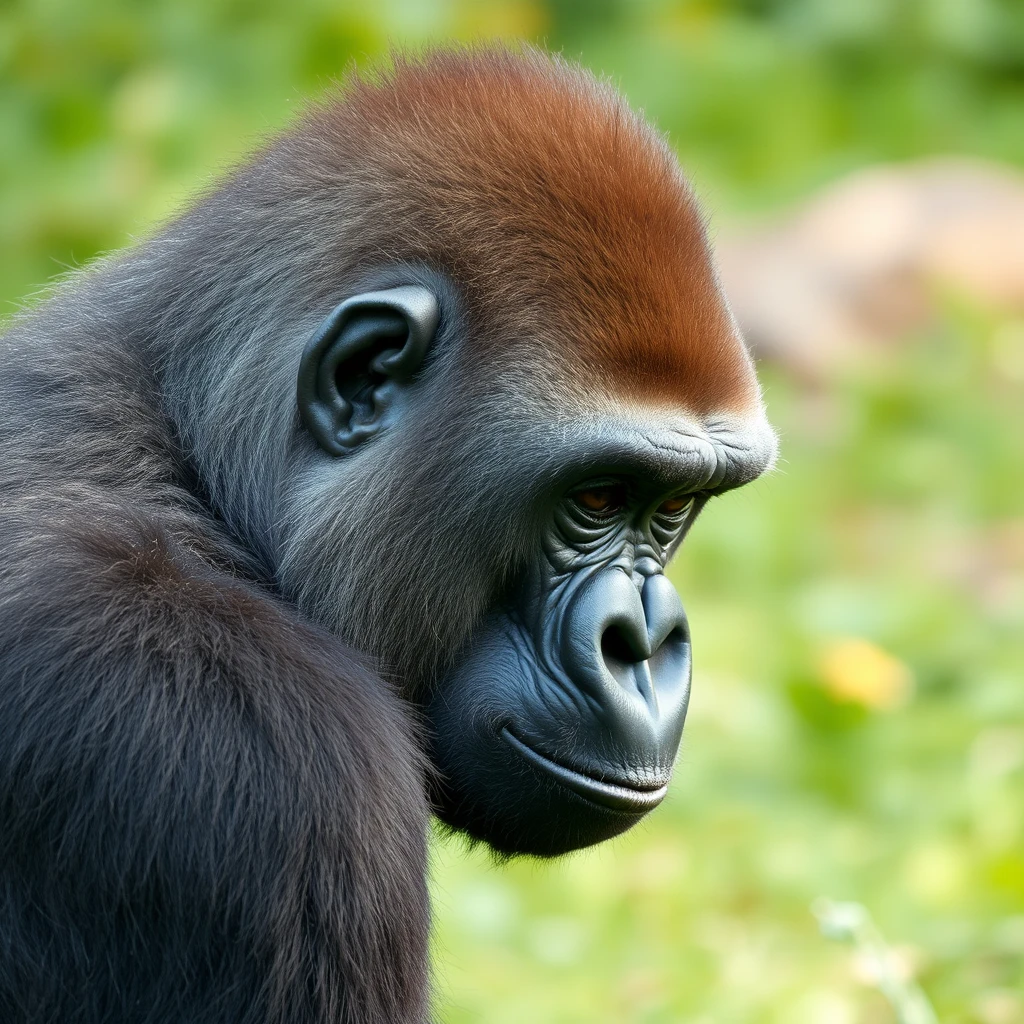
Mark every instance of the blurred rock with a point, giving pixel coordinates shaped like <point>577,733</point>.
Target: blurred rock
<point>864,261</point>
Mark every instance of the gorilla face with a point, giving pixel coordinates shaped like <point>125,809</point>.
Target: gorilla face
<point>557,723</point>
<point>560,727</point>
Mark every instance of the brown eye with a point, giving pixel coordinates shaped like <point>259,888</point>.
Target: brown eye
<point>600,501</point>
<point>676,507</point>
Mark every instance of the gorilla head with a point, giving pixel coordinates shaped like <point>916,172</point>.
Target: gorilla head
<point>554,659</point>
<point>528,390</point>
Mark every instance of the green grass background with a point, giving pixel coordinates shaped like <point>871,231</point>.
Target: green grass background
<point>896,515</point>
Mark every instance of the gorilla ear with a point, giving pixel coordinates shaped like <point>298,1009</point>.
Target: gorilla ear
<point>359,361</point>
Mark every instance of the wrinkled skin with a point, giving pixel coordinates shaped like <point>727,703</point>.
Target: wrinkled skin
<point>574,695</point>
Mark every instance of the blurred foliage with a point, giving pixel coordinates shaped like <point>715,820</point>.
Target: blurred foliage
<point>857,725</point>
<point>114,111</point>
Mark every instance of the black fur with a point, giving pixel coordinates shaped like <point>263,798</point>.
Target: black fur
<point>210,809</point>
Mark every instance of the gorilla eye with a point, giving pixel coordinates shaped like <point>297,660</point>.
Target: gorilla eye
<point>601,501</point>
<point>676,508</point>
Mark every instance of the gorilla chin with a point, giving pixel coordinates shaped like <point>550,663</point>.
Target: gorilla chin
<point>520,802</point>
<point>538,791</point>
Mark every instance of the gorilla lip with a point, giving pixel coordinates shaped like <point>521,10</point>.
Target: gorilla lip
<point>612,795</point>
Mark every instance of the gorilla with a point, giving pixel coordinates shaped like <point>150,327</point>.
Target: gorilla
<point>346,498</point>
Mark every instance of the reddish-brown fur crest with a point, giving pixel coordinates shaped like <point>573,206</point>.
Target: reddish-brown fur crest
<point>560,214</point>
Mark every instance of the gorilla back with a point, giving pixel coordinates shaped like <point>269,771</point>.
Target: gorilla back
<point>349,494</point>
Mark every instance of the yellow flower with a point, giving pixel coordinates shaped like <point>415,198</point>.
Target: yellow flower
<point>856,670</point>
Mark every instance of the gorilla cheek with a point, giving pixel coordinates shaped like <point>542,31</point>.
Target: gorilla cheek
<point>491,785</point>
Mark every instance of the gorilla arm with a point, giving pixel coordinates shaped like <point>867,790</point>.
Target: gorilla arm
<point>211,809</point>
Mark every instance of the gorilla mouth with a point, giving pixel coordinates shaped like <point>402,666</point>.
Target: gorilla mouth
<point>615,796</point>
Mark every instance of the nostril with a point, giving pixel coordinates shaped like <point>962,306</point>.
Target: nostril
<point>618,645</point>
<point>676,639</point>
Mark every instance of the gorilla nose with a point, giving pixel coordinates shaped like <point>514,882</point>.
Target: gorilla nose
<point>628,650</point>
<point>646,638</point>
<point>637,633</point>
